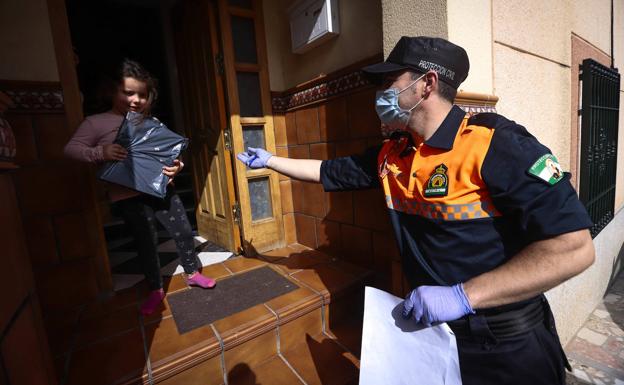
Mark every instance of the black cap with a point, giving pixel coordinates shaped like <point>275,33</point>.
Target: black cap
<point>424,53</point>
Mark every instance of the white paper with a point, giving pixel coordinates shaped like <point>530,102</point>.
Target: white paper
<point>398,351</point>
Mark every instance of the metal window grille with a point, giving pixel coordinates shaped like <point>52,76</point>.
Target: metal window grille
<point>600,100</point>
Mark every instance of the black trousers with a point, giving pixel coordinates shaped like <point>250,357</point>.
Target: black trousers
<point>532,358</point>
<point>140,214</point>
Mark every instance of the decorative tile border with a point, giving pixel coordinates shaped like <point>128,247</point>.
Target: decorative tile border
<point>34,97</point>
<point>318,92</point>
<point>36,100</point>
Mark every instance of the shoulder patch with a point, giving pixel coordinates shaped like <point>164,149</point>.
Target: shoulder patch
<point>547,168</point>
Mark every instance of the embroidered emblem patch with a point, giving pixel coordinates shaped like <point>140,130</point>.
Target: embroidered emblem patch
<point>547,168</point>
<point>437,186</point>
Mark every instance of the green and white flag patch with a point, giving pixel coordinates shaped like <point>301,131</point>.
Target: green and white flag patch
<point>547,168</point>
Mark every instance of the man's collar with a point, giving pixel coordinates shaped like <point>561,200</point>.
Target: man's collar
<point>444,136</point>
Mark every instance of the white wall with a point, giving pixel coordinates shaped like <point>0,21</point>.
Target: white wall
<point>359,39</point>
<point>26,45</point>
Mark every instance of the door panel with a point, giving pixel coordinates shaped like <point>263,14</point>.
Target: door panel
<point>203,101</point>
<point>251,120</point>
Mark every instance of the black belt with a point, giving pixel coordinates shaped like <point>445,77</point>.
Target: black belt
<point>501,325</point>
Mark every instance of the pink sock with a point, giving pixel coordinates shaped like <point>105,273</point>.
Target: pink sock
<point>196,279</point>
<point>154,299</point>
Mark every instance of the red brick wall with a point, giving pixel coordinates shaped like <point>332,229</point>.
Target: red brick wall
<point>354,225</point>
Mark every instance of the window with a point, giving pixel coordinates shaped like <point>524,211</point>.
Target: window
<point>600,100</point>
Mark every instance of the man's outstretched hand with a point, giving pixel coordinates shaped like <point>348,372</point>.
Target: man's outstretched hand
<point>429,304</point>
<point>255,157</point>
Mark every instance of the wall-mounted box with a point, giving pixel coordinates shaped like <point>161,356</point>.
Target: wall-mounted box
<point>312,22</point>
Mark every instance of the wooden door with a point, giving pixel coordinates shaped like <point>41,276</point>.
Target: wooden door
<point>251,120</point>
<point>200,76</point>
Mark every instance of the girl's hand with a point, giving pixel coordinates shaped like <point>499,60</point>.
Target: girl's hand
<point>114,152</point>
<point>172,171</point>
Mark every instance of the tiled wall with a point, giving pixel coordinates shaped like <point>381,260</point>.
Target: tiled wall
<point>54,197</point>
<point>350,225</point>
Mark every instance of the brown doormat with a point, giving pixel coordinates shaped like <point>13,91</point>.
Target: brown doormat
<point>197,307</point>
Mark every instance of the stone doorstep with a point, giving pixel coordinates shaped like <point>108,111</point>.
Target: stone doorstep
<point>341,280</point>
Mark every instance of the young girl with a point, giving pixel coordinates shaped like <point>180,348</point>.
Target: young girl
<point>93,142</point>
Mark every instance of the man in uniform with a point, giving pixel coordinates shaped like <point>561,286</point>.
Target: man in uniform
<point>483,225</point>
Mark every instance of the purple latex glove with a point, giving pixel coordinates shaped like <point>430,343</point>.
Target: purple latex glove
<point>429,304</point>
<point>255,157</point>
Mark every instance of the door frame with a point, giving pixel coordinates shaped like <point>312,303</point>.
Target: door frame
<point>72,103</point>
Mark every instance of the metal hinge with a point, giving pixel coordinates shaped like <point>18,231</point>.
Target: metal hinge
<point>227,139</point>
<point>219,63</point>
<point>236,213</point>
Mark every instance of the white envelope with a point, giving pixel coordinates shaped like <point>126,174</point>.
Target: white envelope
<point>398,351</point>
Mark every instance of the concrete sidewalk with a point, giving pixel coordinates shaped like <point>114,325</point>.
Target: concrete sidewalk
<point>596,353</point>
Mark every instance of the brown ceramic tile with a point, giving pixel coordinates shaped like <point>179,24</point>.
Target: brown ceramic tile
<point>321,361</point>
<point>294,303</point>
<point>356,245</point>
<point>175,283</point>
<point>286,195</point>
<point>301,151</point>
<point>349,334</point>
<point>347,307</point>
<point>208,372</point>
<point>60,330</point>
<point>290,230</point>
<point>313,199</point>
<point>295,331</point>
<point>279,125</point>
<point>59,366</point>
<point>277,254</point>
<point>297,195</point>
<point>351,147</point>
<point>274,372</point>
<point>333,120</point>
<point>291,129</point>
<point>108,361</point>
<point>252,352</point>
<point>357,271</point>
<point>297,247</point>
<point>322,151</point>
<point>93,329</point>
<point>216,271</point>
<point>307,125</point>
<point>73,235</point>
<point>370,211</point>
<point>168,348</point>
<point>240,264</point>
<point>324,279</point>
<point>301,260</point>
<point>306,230</point>
<point>69,192</point>
<point>339,206</point>
<point>26,151</point>
<point>363,120</point>
<point>40,240</point>
<point>328,236</point>
<point>243,325</point>
<point>385,251</point>
<point>19,347</point>
<point>57,286</point>
<point>52,135</point>
<point>118,300</point>
<point>282,152</point>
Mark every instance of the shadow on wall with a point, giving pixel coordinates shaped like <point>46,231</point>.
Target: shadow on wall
<point>614,297</point>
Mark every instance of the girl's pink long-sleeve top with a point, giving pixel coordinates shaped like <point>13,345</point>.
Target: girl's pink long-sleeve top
<point>88,142</point>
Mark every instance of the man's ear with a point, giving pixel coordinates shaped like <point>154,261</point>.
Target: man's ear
<point>431,82</point>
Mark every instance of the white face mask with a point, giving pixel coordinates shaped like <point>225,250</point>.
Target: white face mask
<point>388,109</point>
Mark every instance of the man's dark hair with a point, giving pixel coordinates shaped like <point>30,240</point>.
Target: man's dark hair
<point>446,91</point>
